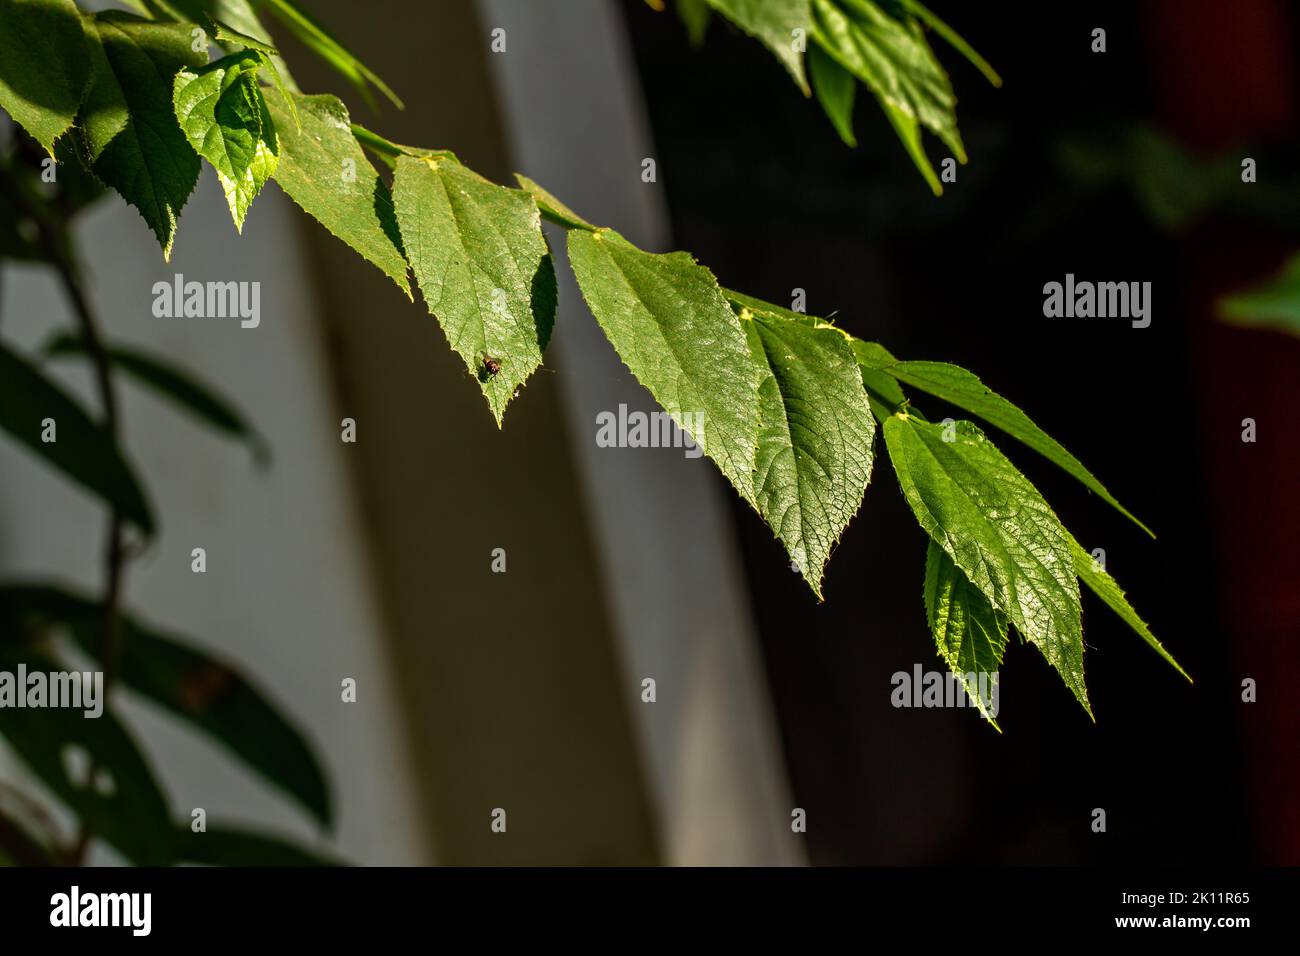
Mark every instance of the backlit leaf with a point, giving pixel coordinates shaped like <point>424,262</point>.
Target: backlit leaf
<point>130,133</point>
<point>780,25</point>
<point>483,268</point>
<point>669,322</point>
<point>44,66</point>
<point>323,170</point>
<point>883,391</point>
<point>836,90</point>
<point>954,39</point>
<point>890,55</point>
<point>998,530</point>
<point>1097,580</point>
<point>970,635</point>
<point>221,109</point>
<point>963,389</point>
<point>232,24</point>
<point>815,438</point>
<point>551,207</point>
<point>325,45</point>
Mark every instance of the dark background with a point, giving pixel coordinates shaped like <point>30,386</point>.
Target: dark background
<point>762,191</point>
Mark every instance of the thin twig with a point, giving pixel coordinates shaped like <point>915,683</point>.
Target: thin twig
<point>114,554</point>
<point>110,640</point>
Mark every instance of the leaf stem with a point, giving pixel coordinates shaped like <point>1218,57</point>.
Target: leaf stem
<point>375,142</point>
<point>559,220</point>
<point>110,641</point>
<point>956,41</point>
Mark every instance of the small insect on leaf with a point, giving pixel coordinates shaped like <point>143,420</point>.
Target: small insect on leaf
<point>490,367</point>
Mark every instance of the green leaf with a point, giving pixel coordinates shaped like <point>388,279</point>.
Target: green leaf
<point>695,15</point>
<point>908,131</point>
<point>200,690</point>
<point>1274,304</point>
<point>963,389</point>
<point>954,39</point>
<point>231,39</point>
<point>323,170</point>
<point>998,530</point>
<point>321,42</point>
<point>122,804</point>
<point>77,186</point>
<point>892,58</point>
<point>742,301</point>
<point>44,66</point>
<point>224,33</point>
<point>551,207</point>
<point>229,846</point>
<point>389,151</point>
<point>483,268</point>
<point>130,134</point>
<point>815,438</point>
<point>669,322</point>
<point>221,109</point>
<point>1105,587</point>
<point>200,400</point>
<point>231,24</point>
<point>773,23</point>
<point>836,91</point>
<point>83,451</point>
<point>883,391</point>
<point>970,635</point>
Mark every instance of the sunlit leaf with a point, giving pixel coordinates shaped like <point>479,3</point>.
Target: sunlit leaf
<point>483,268</point>
<point>998,530</point>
